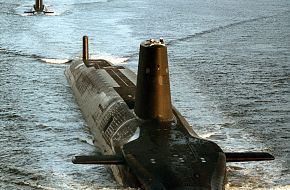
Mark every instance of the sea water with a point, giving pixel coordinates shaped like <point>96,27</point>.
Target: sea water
<point>229,70</point>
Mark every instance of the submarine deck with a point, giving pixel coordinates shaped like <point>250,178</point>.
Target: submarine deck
<point>126,88</point>
<point>165,156</point>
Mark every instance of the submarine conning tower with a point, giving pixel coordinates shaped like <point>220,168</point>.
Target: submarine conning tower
<point>152,97</point>
<point>38,6</point>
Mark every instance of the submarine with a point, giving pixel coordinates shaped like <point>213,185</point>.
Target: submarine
<point>38,8</point>
<point>144,139</point>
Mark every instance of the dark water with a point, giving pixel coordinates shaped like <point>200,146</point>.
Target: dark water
<point>230,77</point>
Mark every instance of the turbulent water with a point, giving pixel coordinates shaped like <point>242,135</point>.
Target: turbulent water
<point>230,76</point>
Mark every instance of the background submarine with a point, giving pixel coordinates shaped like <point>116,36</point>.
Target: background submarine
<point>38,8</point>
<point>144,139</point>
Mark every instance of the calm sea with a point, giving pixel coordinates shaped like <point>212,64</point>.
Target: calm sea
<point>230,75</point>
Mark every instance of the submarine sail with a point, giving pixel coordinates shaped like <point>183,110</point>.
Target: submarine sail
<point>153,99</point>
<point>38,7</point>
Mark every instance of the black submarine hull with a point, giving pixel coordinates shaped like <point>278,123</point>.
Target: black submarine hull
<point>107,115</point>
<point>158,156</point>
<point>144,139</point>
<point>38,8</point>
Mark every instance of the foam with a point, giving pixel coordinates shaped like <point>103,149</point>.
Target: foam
<point>56,61</point>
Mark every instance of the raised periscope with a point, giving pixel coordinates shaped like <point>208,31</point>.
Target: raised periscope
<point>38,8</point>
<point>144,139</point>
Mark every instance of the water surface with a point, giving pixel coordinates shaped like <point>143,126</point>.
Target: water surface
<point>230,74</point>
